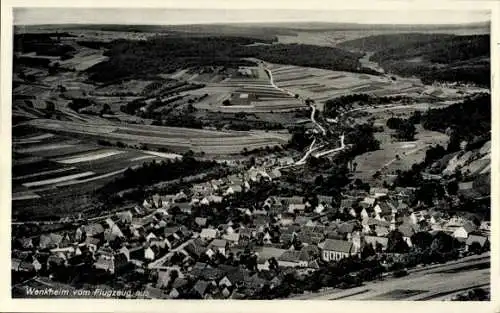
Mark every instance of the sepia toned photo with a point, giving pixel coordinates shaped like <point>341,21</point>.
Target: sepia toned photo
<point>260,154</point>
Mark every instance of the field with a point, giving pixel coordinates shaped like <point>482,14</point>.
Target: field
<point>250,92</point>
<point>321,85</point>
<point>84,59</point>
<point>49,169</point>
<point>334,37</point>
<point>393,155</point>
<point>172,138</point>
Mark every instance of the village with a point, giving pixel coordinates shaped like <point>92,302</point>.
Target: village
<point>226,239</point>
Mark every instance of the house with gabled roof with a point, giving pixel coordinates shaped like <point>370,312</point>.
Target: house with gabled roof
<point>94,229</point>
<point>265,253</point>
<point>379,192</point>
<point>201,288</point>
<point>376,242</point>
<point>383,209</point>
<point>209,233</point>
<point>219,245</point>
<point>462,232</point>
<point>482,240</point>
<point>334,250</point>
<point>232,238</point>
<point>348,203</point>
<point>291,259</point>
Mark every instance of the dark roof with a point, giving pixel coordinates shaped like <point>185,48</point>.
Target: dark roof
<point>337,245</point>
<point>347,203</point>
<point>266,253</point>
<point>325,199</point>
<point>469,226</point>
<point>308,253</point>
<point>201,287</point>
<point>407,230</point>
<point>195,249</point>
<point>386,207</point>
<point>218,243</point>
<point>212,274</point>
<point>254,281</point>
<point>345,228</point>
<point>290,256</point>
<point>290,200</point>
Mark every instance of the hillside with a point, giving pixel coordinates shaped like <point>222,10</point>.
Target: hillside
<point>166,54</point>
<point>468,121</point>
<point>432,57</point>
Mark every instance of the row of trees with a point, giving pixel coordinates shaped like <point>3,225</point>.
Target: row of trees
<point>332,106</point>
<point>153,172</point>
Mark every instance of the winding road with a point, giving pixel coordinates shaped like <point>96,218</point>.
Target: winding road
<point>312,147</point>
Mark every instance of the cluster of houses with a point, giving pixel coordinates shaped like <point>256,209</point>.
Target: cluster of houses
<point>286,232</point>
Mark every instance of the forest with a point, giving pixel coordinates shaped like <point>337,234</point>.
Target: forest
<point>466,120</point>
<point>163,54</point>
<point>432,57</point>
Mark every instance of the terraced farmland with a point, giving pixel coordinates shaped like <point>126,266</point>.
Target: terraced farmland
<point>173,138</point>
<point>49,168</point>
<point>321,85</point>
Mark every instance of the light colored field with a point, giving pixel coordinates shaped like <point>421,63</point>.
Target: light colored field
<point>133,86</point>
<point>321,85</point>
<point>161,154</point>
<point>57,180</point>
<point>84,59</point>
<point>144,157</point>
<point>38,137</point>
<point>44,148</point>
<point>333,37</point>
<point>87,157</point>
<point>91,179</point>
<point>385,160</point>
<point>176,138</point>
<point>24,195</point>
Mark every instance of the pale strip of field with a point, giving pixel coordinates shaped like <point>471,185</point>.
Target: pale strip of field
<point>39,137</point>
<point>178,74</point>
<point>73,127</point>
<point>142,158</point>
<point>74,182</point>
<point>24,196</point>
<point>173,137</point>
<point>90,157</point>
<point>59,170</point>
<point>44,148</point>
<point>57,180</point>
<point>163,154</point>
<point>25,142</point>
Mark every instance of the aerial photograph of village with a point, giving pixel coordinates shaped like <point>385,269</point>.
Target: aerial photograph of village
<point>193,154</point>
